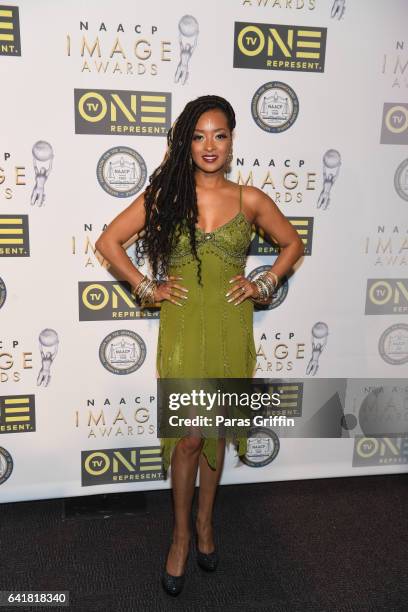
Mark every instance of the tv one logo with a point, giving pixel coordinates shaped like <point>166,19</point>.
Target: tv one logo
<point>9,31</point>
<point>108,466</point>
<point>380,451</point>
<point>17,413</point>
<point>386,296</point>
<point>14,236</point>
<point>394,128</point>
<point>110,300</point>
<point>126,113</point>
<point>279,47</point>
<point>262,244</point>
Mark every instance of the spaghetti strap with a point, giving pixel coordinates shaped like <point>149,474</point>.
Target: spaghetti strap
<point>240,198</point>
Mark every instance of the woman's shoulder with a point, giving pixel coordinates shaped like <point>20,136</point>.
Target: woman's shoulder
<point>251,199</point>
<point>248,191</point>
<point>252,194</point>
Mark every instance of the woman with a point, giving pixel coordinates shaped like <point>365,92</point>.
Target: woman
<point>194,226</point>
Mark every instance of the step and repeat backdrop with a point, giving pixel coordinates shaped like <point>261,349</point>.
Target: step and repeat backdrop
<point>88,92</point>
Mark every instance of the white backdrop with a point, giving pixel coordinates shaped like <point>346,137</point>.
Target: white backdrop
<point>49,426</point>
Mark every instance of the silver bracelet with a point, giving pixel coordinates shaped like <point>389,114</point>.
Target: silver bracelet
<point>266,288</point>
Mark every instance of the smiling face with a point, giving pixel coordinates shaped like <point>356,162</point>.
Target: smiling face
<point>212,140</point>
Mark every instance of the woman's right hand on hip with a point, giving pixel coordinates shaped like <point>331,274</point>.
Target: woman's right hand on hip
<point>170,290</point>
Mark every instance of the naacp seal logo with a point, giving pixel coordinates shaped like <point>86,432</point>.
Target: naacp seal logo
<point>122,352</point>
<point>262,447</point>
<point>3,292</point>
<point>121,172</point>
<point>275,107</point>
<point>384,411</point>
<point>278,297</point>
<point>393,344</point>
<point>401,180</point>
<point>6,465</point>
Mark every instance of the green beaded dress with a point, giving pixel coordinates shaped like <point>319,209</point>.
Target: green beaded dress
<point>208,337</point>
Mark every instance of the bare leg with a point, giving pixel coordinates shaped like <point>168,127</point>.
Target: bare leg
<point>209,479</point>
<point>184,465</point>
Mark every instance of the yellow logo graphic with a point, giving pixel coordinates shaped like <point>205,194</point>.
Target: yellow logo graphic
<point>121,465</point>
<point>9,31</point>
<point>122,112</point>
<point>17,413</point>
<point>279,47</point>
<point>262,244</point>
<point>108,300</point>
<point>14,236</point>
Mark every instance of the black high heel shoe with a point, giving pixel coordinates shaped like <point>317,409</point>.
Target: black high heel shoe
<point>173,585</point>
<point>207,561</point>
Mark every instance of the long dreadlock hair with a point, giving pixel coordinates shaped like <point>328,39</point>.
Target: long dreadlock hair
<point>170,198</point>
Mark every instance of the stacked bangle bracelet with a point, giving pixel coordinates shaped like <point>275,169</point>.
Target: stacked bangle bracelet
<point>145,291</point>
<point>266,284</point>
